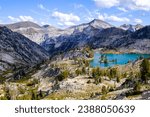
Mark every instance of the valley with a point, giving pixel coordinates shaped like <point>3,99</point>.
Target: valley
<point>58,64</point>
<point>64,78</point>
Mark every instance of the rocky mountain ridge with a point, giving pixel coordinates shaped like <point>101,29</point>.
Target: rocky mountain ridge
<point>17,51</point>
<point>131,27</point>
<point>39,34</point>
<point>97,34</point>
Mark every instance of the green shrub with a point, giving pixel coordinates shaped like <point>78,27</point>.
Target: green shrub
<point>32,82</point>
<point>21,90</point>
<point>78,72</point>
<point>145,70</point>
<point>7,95</point>
<point>2,79</point>
<point>63,75</point>
<point>103,97</point>
<point>89,81</point>
<point>113,72</point>
<point>137,87</point>
<point>83,70</point>
<point>118,79</point>
<point>104,90</point>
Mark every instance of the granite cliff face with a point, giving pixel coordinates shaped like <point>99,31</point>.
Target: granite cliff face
<point>17,51</point>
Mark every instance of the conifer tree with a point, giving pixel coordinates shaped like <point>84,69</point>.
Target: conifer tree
<point>145,70</point>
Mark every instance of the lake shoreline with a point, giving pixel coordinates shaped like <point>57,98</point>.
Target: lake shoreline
<point>112,59</point>
<point>112,51</point>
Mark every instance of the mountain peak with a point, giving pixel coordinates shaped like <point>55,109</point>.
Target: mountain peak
<point>24,24</point>
<point>131,27</point>
<point>97,23</point>
<point>96,20</point>
<point>139,26</point>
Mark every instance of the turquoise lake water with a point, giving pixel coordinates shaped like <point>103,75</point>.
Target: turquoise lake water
<point>115,59</point>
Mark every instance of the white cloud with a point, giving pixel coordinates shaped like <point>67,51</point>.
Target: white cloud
<point>21,18</point>
<point>138,21</point>
<point>113,18</point>
<point>126,4</point>
<point>69,23</point>
<point>106,3</point>
<point>88,18</point>
<point>141,5</point>
<point>117,19</point>
<point>60,24</point>
<point>26,18</point>
<point>44,23</point>
<point>66,23</point>
<point>63,17</point>
<point>122,9</point>
<point>13,19</point>
<point>101,17</point>
<point>42,7</point>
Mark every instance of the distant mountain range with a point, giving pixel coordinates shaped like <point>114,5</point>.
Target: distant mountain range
<point>40,33</point>
<point>131,27</point>
<point>97,34</point>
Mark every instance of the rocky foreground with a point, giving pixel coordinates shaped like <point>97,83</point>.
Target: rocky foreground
<point>64,78</point>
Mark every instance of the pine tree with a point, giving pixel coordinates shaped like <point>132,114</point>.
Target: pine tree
<point>7,94</point>
<point>145,70</point>
<point>63,75</point>
<point>137,87</point>
<point>83,70</point>
<point>118,79</point>
<point>104,90</point>
<point>78,72</point>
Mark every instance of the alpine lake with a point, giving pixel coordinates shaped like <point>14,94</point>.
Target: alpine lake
<point>110,60</point>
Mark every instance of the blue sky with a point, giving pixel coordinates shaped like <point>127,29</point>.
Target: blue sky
<point>65,13</point>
